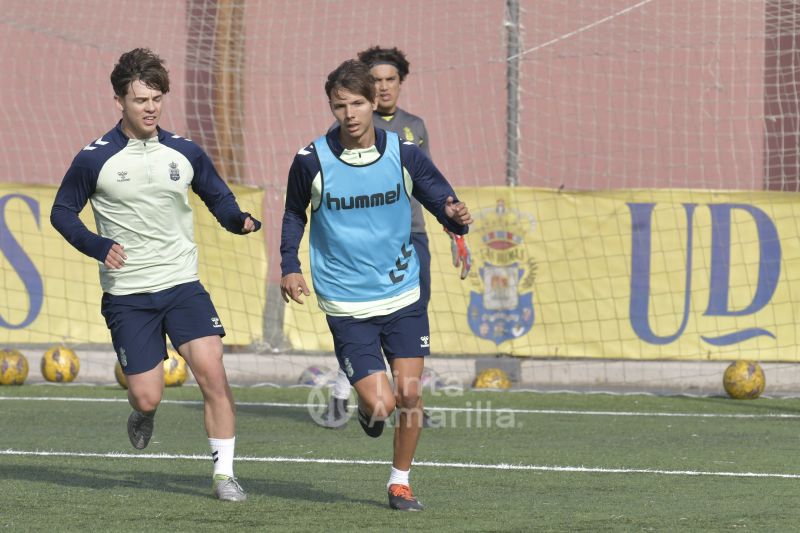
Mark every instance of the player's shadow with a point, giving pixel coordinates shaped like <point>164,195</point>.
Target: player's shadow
<point>302,491</point>
<point>295,414</point>
<point>191,485</point>
<point>94,478</point>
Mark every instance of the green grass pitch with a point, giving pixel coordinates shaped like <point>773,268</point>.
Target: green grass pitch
<point>504,461</point>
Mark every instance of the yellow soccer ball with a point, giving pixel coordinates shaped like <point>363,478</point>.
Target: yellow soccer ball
<point>120,375</point>
<point>60,365</point>
<point>492,378</point>
<point>175,369</point>
<point>13,367</point>
<point>744,380</point>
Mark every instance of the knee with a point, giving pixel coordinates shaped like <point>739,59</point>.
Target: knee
<point>213,386</point>
<point>210,375</point>
<point>382,407</point>
<point>208,379</point>
<point>408,400</point>
<point>145,401</point>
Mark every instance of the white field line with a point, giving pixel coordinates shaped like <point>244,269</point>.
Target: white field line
<point>434,464</point>
<point>477,409</point>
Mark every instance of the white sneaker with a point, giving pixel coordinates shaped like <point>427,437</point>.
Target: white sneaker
<point>228,489</point>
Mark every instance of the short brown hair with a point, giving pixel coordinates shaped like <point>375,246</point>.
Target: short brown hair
<point>353,76</point>
<point>139,64</point>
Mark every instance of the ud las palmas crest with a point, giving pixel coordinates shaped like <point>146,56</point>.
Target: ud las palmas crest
<point>502,306</point>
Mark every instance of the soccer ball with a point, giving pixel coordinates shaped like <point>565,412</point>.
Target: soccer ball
<point>120,375</point>
<point>431,380</point>
<point>175,369</point>
<point>492,378</point>
<point>744,380</point>
<point>316,376</point>
<point>60,365</point>
<point>13,367</point>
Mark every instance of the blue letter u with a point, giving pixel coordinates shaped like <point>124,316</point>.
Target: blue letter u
<point>641,215</point>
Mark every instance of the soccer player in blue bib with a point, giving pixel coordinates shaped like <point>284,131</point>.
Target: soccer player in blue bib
<point>137,178</point>
<point>358,180</point>
<point>389,67</point>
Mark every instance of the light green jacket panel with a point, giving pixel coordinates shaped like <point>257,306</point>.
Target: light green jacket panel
<point>141,202</point>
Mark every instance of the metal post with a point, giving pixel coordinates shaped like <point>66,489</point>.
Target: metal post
<point>512,89</point>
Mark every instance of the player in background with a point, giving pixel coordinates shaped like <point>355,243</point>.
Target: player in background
<point>390,67</point>
<point>137,178</point>
<point>359,180</point>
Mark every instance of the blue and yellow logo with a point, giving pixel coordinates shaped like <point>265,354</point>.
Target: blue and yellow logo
<point>502,306</point>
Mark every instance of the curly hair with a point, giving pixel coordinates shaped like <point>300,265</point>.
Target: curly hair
<point>391,56</point>
<point>139,64</point>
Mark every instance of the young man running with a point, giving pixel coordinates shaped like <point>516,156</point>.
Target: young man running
<point>137,178</point>
<point>389,67</point>
<point>359,180</point>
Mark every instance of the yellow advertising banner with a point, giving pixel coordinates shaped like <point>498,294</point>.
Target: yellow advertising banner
<point>639,274</point>
<point>50,292</point>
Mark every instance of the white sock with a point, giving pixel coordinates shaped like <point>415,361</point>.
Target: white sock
<point>222,455</point>
<point>398,477</point>
<point>341,389</point>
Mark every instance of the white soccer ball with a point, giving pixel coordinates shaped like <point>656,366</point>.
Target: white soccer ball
<point>316,376</point>
<point>431,380</point>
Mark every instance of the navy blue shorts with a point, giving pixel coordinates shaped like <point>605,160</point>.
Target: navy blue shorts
<point>358,342</point>
<point>139,322</point>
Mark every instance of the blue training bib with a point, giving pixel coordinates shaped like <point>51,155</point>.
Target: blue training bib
<point>360,238</point>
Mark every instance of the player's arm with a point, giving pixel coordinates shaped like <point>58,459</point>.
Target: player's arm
<point>293,284</point>
<point>433,191</point>
<point>73,193</point>
<point>298,196</point>
<point>457,212</point>
<point>219,198</point>
<point>459,249</point>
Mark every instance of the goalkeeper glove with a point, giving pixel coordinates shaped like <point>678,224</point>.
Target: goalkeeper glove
<point>460,252</point>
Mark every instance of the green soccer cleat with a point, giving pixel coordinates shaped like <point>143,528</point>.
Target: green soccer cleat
<point>402,499</point>
<point>140,429</point>
<point>228,489</point>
